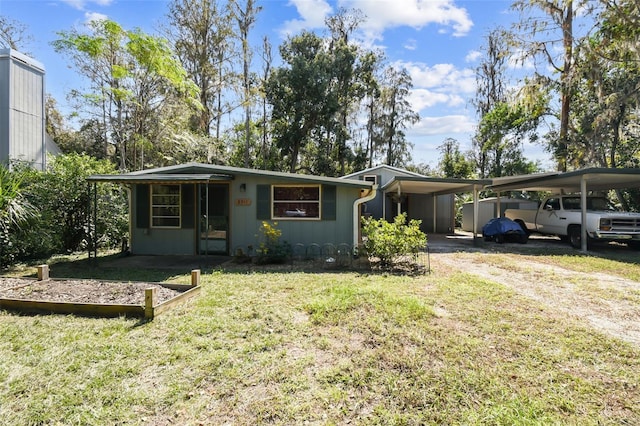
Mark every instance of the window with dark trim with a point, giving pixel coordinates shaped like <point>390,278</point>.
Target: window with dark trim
<point>165,206</point>
<point>296,201</point>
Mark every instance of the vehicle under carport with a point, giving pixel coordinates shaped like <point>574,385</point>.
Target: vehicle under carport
<point>582,181</point>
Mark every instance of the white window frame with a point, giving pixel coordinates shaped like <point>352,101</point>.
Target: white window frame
<point>158,202</point>
<point>274,202</point>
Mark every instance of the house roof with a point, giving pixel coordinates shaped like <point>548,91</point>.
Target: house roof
<point>199,172</point>
<point>374,169</point>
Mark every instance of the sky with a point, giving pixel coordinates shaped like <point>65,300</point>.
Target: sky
<point>437,41</point>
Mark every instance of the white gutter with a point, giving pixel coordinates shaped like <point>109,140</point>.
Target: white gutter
<point>356,213</point>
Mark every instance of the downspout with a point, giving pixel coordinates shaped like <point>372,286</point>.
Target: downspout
<point>356,213</point>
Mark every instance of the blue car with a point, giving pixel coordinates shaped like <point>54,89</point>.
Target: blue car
<point>502,230</point>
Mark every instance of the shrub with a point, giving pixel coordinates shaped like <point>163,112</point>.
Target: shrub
<point>391,242</point>
<point>271,249</point>
<point>61,194</point>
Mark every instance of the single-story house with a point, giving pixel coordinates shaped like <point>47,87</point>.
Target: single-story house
<point>209,209</point>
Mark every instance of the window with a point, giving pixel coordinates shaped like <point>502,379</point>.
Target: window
<point>165,206</point>
<point>296,202</point>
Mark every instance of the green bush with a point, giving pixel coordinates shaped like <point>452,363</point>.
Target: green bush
<point>61,194</point>
<point>391,242</point>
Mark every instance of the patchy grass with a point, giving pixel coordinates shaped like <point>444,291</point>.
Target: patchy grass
<point>329,348</point>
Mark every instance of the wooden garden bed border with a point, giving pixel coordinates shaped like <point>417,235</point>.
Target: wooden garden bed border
<point>147,311</point>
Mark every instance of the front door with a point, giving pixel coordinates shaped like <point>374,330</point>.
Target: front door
<point>214,219</point>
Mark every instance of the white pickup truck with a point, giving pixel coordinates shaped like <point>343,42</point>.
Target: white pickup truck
<point>561,215</point>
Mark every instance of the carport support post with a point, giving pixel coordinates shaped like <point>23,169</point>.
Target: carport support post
<point>583,213</point>
<point>499,207</point>
<point>475,213</point>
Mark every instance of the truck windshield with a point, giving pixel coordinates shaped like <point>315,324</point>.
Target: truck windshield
<point>593,203</point>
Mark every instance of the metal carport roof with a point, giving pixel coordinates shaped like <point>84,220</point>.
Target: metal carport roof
<point>430,185</point>
<point>596,179</point>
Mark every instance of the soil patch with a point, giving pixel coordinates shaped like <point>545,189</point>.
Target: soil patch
<point>82,291</point>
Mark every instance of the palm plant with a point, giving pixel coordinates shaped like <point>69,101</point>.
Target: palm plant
<point>15,210</point>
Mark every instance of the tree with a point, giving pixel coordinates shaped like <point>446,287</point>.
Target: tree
<point>245,18</point>
<point>346,69</point>
<point>453,164</point>
<point>543,36</point>
<point>200,31</point>
<point>396,115</point>
<point>504,129</point>
<point>490,90</point>
<point>13,35</point>
<point>300,94</point>
<point>138,89</point>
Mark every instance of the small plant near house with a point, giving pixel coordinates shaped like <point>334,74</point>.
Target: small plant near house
<point>393,243</point>
<point>271,249</point>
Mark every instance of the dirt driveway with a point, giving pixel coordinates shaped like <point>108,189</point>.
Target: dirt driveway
<point>608,303</point>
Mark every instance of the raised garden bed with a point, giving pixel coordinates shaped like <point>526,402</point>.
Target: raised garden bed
<point>93,297</point>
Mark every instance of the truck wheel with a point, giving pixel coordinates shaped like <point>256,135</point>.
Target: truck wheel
<point>575,237</point>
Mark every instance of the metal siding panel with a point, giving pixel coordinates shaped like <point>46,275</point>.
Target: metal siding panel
<point>25,115</point>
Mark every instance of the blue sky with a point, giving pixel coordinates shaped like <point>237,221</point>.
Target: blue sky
<point>438,41</point>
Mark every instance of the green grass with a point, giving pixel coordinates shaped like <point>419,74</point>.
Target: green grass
<point>332,348</point>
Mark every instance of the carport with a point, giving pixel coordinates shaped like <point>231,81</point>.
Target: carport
<point>583,181</point>
<point>400,185</point>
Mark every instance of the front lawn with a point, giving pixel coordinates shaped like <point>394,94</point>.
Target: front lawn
<point>328,348</point>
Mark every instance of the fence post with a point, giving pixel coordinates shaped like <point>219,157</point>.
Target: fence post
<point>195,277</point>
<point>43,272</point>
<point>149,302</point>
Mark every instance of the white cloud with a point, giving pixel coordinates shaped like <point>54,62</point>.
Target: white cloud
<point>411,44</point>
<point>81,4</point>
<point>445,126</point>
<point>473,56</point>
<point>441,77</point>
<point>94,17</point>
<point>382,15</point>
<point>312,15</point>
<point>422,98</point>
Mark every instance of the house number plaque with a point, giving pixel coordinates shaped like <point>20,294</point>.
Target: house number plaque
<point>243,201</point>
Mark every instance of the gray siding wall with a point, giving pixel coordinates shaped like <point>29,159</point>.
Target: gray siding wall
<point>158,241</point>
<point>22,110</point>
<point>245,225</point>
